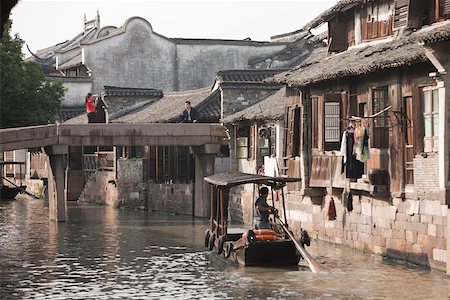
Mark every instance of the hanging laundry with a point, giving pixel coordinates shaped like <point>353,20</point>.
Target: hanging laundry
<point>331,210</point>
<point>349,202</point>
<point>344,197</point>
<point>353,167</point>
<point>361,143</point>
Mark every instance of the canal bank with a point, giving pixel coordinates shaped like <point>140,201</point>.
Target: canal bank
<point>106,253</point>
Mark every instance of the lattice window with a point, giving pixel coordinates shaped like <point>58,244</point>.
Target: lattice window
<point>332,122</point>
<point>380,101</point>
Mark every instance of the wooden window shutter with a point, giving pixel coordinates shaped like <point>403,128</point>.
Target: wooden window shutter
<point>296,133</point>
<point>321,122</point>
<point>401,13</point>
<point>338,40</point>
<point>364,34</point>
<point>446,7</point>
<point>345,108</point>
<point>290,138</point>
<point>350,31</point>
<point>315,122</point>
<point>251,142</point>
<point>417,121</point>
<point>415,14</point>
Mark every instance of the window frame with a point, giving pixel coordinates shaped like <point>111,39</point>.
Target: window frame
<point>380,124</point>
<point>431,142</point>
<point>314,122</point>
<point>336,100</point>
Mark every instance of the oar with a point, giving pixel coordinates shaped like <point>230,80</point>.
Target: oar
<point>21,188</point>
<point>313,265</point>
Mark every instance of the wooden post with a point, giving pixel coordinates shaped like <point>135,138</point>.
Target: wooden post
<point>211,218</point>
<point>222,232</point>
<point>273,201</point>
<point>217,211</point>
<point>284,206</point>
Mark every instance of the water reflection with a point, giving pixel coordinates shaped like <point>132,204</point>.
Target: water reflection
<point>107,253</point>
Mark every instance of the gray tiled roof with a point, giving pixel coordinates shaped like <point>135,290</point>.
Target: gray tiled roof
<point>245,76</point>
<point>168,108</point>
<point>75,61</point>
<point>126,91</point>
<point>402,51</point>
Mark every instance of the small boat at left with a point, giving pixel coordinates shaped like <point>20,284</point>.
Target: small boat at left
<point>8,189</point>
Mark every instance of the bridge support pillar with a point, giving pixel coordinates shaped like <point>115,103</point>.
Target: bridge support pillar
<point>57,192</point>
<point>204,166</point>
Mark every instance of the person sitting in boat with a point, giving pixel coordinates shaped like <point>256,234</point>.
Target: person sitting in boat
<point>262,210</point>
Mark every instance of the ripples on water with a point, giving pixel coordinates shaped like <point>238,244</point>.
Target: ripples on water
<point>107,253</point>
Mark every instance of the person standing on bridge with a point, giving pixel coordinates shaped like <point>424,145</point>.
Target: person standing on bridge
<point>189,114</point>
<point>90,108</point>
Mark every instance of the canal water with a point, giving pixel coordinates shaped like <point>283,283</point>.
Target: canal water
<point>108,253</point>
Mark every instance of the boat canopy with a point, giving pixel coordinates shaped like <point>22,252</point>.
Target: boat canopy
<point>231,179</point>
<point>2,163</point>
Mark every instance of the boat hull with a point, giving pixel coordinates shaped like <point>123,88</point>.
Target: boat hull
<point>7,192</point>
<point>267,253</point>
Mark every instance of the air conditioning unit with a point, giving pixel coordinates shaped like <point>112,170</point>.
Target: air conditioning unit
<point>264,132</point>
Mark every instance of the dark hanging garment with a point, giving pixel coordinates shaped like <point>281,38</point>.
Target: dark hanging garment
<point>349,202</point>
<point>353,167</point>
<point>331,210</point>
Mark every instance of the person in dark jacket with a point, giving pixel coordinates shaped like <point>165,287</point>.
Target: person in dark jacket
<point>261,210</point>
<point>189,114</point>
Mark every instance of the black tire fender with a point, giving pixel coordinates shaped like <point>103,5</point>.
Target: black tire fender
<point>206,238</point>
<point>228,249</point>
<point>212,239</point>
<point>220,243</point>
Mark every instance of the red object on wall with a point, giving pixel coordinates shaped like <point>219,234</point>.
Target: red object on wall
<point>331,210</point>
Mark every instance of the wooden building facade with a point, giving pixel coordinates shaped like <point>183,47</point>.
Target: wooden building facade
<point>368,121</point>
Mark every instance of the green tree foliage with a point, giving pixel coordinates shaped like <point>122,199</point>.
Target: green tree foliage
<point>26,96</point>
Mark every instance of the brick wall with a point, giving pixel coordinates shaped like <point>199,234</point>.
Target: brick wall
<point>426,174</point>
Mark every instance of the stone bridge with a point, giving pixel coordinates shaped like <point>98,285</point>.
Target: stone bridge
<point>204,139</point>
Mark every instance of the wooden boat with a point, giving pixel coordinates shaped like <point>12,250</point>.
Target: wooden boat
<point>8,189</point>
<point>274,248</point>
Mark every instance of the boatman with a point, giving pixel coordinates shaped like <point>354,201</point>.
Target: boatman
<point>262,210</point>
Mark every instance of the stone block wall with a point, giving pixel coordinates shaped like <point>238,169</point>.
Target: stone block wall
<point>133,195</point>
<point>411,230</point>
<point>173,198</point>
<point>100,189</point>
<point>130,170</point>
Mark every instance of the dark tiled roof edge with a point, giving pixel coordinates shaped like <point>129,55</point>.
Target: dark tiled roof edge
<point>326,15</point>
<point>223,42</point>
<point>123,91</point>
